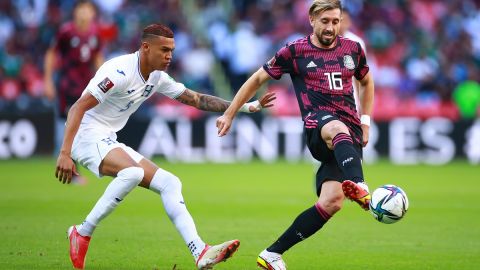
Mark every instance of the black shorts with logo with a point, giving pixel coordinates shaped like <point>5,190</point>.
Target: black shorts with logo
<point>329,169</point>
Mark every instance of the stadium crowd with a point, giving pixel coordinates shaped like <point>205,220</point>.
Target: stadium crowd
<point>425,55</point>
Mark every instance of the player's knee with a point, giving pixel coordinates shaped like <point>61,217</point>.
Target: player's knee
<point>133,174</point>
<point>332,203</point>
<point>332,129</point>
<point>172,183</point>
<point>334,206</point>
<point>164,182</point>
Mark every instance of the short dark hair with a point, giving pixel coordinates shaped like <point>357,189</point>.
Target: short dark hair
<point>83,2</point>
<point>158,30</point>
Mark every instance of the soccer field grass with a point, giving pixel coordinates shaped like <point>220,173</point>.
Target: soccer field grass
<point>254,202</point>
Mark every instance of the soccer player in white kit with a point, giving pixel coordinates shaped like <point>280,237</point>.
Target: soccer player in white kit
<point>118,88</point>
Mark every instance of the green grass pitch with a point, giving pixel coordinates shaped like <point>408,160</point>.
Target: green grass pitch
<point>254,202</point>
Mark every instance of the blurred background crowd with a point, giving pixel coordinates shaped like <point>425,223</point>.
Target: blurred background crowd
<point>424,54</point>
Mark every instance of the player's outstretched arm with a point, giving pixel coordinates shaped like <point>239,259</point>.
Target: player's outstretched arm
<point>65,166</point>
<point>215,104</point>
<point>202,101</point>
<point>246,92</point>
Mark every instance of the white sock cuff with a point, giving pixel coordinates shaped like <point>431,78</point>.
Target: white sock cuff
<point>132,173</point>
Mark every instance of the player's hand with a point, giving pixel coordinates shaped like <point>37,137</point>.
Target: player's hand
<point>65,169</point>
<point>366,132</point>
<point>223,125</point>
<point>265,101</point>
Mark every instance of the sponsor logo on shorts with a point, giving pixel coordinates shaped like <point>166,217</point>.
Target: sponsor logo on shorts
<point>326,117</point>
<point>108,141</point>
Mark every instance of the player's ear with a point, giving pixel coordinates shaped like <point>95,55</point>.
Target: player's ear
<point>311,19</point>
<point>145,46</point>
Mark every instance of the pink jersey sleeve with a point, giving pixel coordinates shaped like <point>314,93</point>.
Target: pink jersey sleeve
<point>362,68</point>
<point>279,64</point>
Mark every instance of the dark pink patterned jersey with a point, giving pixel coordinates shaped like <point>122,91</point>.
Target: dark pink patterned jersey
<point>77,51</point>
<point>322,78</point>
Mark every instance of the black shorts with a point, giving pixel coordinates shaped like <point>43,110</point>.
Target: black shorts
<point>329,168</point>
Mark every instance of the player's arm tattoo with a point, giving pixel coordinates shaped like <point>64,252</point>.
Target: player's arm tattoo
<point>203,102</point>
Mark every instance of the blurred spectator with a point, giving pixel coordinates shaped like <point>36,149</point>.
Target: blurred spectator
<point>247,52</point>
<point>197,63</point>
<point>31,12</point>
<point>109,6</point>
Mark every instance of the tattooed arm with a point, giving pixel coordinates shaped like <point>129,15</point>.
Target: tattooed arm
<point>203,102</point>
<point>215,104</point>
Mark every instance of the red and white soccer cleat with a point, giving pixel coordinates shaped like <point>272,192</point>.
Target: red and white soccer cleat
<point>78,247</point>
<point>357,192</point>
<point>212,255</point>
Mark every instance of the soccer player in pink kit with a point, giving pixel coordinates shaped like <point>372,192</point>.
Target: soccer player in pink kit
<point>78,50</point>
<point>321,67</point>
<point>118,88</point>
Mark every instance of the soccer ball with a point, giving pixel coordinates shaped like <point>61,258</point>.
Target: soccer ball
<point>389,204</point>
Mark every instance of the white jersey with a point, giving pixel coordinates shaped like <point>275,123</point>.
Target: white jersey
<point>120,89</point>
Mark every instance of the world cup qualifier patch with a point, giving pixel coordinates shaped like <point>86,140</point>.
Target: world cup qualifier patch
<point>105,85</point>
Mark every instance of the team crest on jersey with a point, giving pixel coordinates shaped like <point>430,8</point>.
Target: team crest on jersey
<point>348,62</point>
<point>105,85</point>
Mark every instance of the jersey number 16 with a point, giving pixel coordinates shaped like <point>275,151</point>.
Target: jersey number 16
<point>334,80</point>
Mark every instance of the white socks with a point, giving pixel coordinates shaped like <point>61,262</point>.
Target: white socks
<point>164,183</point>
<point>170,189</point>
<point>126,180</point>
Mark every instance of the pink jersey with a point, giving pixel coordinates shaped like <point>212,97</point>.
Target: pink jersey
<point>322,78</point>
<point>77,51</point>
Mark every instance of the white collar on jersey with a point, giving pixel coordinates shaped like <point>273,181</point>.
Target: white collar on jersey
<point>138,66</point>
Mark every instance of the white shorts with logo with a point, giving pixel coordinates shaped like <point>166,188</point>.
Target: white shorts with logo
<point>90,147</point>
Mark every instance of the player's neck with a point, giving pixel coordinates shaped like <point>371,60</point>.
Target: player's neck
<point>145,69</point>
<point>82,26</point>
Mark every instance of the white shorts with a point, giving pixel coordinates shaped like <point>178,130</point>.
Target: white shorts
<point>90,147</point>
